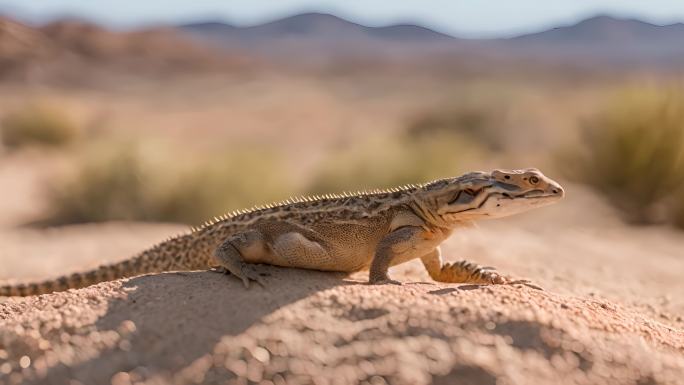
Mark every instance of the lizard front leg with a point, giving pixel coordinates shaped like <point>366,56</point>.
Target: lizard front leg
<point>465,272</point>
<point>398,246</point>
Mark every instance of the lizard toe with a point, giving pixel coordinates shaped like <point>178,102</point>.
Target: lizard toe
<point>220,270</point>
<point>245,281</point>
<point>496,278</point>
<point>524,282</point>
<point>249,273</point>
<point>246,274</point>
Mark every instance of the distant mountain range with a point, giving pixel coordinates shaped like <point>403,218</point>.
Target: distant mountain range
<point>317,26</point>
<point>597,39</point>
<point>608,40</point>
<point>316,39</point>
<point>595,30</point>
<point>610,30</point>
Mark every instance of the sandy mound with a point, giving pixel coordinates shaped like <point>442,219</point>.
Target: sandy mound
<point>611,313</point>
<point>311,327</point>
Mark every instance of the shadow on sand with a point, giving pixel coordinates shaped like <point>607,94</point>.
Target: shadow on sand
<point>180,317</point>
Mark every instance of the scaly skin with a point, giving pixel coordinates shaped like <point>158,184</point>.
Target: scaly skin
<point>347,233</point>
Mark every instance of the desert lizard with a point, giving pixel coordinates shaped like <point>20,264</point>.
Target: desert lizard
<point>347,233</point>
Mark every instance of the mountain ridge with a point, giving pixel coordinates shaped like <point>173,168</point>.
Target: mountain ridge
<point>606,28</point>
<point>601,27</point>
<point>316,25</point>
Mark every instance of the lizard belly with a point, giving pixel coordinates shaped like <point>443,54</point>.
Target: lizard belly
<point>327,246</point>
<point>351,246</point>
<point>350,259</point>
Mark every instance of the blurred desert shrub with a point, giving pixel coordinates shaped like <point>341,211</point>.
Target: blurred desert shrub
<point>390,162</point>
<point>678,213</point>
<point>37,125</point>
<point>479,122</point>
<point>633,151</point>
<point>119,184</point>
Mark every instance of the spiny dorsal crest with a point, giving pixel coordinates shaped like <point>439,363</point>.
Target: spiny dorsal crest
<point>307,199</point>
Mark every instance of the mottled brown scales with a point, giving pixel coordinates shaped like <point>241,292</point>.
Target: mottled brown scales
<point>348,232</point>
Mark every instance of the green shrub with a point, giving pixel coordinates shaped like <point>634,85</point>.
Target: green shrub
<point>633,151</point>
<point>37,125</point>
<point>384,162</point>
<point>120,184</point>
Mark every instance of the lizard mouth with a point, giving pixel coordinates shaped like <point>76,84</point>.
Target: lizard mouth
<point>533,198</point>
<point>533,194</point>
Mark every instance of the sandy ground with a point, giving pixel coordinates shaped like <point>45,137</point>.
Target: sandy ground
<point>611,312</point>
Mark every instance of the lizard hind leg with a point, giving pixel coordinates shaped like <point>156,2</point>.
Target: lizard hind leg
<point>230,256</point>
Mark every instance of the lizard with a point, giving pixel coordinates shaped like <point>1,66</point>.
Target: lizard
<point>347,232</point>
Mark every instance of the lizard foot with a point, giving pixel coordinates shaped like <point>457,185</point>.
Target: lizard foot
<point>247,273</point>
<point>467,272</point>
<point>489,275</point>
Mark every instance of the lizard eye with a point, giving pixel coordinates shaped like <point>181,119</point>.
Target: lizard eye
<point>534,180</point>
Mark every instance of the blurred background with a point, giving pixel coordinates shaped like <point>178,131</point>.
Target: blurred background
<point>177,111</point>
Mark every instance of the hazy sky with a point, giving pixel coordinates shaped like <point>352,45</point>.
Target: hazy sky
<point>460,17</point>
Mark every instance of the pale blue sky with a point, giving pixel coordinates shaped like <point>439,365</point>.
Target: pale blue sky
<point>472,18</point>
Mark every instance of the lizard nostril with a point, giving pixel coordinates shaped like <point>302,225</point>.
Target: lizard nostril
<point>555,191</point>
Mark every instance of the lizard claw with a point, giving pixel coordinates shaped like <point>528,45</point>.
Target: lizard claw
<point>248,273</point>
<point>525,282</point>
<point>385,281</point>
<point>490,276</point>
<point>529,284</point>
<point>220,270</point>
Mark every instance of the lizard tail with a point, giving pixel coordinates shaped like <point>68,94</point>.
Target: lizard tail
<point>174,254</point>
<point>73,281</point>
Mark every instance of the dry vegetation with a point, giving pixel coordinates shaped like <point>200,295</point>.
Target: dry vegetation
<point>678,212</point>
<point>123,182</point>
<point>481,123</point>
<point>633,153</point>
<point>115,182</point>
<point>388,161</point>
<point>37,125</point>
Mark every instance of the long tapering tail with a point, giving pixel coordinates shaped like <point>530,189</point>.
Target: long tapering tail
<point>179,253</point>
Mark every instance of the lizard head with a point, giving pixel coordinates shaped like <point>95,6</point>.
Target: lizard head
<point>480,195</point>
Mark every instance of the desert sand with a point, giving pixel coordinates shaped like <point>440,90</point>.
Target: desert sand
<point>611,311</point>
